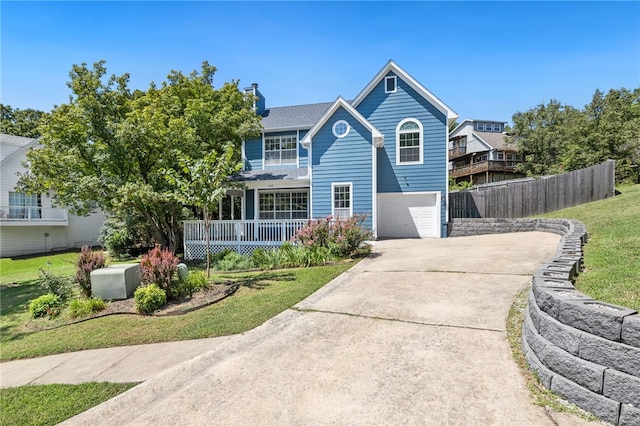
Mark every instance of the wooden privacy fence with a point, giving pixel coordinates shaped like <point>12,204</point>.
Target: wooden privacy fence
<point>536,197</point>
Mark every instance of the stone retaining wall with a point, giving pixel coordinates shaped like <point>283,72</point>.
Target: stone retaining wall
<point>582,349</point>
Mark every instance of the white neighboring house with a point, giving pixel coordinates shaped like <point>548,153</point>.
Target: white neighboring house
<point>29,224</point>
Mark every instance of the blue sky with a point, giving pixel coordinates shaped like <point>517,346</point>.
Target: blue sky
<point>485,60</point>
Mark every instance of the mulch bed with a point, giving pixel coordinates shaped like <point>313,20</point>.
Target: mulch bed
<point>180,306</point>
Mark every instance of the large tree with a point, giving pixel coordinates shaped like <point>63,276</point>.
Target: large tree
<point>541,134</point>
<point>609,129</point>
<point>112,147</point>
<point>555,138</point>
<point>20,122</point>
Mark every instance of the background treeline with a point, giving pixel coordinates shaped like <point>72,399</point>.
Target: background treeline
<point>558,138</point>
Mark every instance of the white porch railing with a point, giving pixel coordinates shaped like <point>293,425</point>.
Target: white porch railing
<point>243,236</point>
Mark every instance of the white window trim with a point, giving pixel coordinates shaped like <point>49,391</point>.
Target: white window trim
<point>264,150</point>
<point>336,134</point>
<point>289,191</point>
<point>421,146</point>
<point>333,186</point>
<point>395,83</point>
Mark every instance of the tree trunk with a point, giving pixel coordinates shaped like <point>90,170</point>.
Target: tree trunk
<point>207,230</point>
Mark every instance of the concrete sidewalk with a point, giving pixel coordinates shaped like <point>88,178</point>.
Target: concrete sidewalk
<point>416,335</point>
<point>120,364</point>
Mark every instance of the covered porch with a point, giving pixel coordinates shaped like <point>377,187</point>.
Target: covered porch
<point>243,236</point>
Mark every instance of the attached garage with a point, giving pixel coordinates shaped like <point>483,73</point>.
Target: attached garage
<point>409,215</point>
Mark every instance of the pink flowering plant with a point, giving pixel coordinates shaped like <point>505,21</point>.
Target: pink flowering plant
<point>343,237</point>
<point>88,261</point>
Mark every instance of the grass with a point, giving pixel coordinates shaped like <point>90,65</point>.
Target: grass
<point>23,269</point>
<point>261,296</point>
<point>612,274</point>
<point>51,404</point>
<point>612,255</point>
<point>540,395</point>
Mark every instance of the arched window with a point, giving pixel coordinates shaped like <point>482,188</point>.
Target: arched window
<point>409,142</point>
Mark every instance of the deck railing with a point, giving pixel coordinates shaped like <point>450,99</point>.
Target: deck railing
<point>483,166</point>
<point>243,236</point>
<point>23,214</point>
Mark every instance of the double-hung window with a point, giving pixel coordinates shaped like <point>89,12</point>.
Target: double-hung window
<point>24,206</point>
<point>284,205</point>
<point>409,142</point>
<point>342,206</point>
<point>279,150</point>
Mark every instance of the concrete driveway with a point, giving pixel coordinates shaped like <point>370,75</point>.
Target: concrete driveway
<point>414,336</point>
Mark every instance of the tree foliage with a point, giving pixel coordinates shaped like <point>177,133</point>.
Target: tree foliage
<point>556,138</point>
<point>112,146</point>
<point>203,182</point>
<point>20,122</point>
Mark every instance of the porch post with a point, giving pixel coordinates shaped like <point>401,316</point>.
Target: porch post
<point>238,236</point>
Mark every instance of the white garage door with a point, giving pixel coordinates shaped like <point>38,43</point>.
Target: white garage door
<point>408,215</point>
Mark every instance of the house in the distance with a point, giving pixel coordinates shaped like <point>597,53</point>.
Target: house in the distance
<point>479,154</point>
<point>29,223</point>
<point>382,155</point>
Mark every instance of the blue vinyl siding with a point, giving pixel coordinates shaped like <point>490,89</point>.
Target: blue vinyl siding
<point>253,151</point>
<point>385,111</point>
<point>249,204</point>
<point>346,160</point>
<point>253,154</point>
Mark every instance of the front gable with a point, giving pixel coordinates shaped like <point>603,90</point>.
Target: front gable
<point>342,152</point>
<point>388,111</point>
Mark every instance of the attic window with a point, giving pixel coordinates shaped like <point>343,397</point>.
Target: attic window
<point>341,129</point>
<point>390,84</point>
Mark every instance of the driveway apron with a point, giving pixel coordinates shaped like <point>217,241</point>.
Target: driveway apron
<point>415,335</point>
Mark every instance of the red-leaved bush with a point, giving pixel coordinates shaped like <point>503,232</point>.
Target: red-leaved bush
<point>158,266</point>
<point>88,261</point>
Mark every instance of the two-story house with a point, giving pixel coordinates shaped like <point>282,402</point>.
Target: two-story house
<point>382,155</point>
<point>479,154</point>
<point>29,223</point>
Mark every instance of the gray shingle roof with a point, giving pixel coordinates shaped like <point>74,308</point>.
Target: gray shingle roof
<point>297,116</point>
<point>271,174</point>
<point>496,140</point>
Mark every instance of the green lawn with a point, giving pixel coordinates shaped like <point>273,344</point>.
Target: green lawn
<point>612,255</point>
<point>51,404</point>
<point>261,296</point>
<point>26,269</point>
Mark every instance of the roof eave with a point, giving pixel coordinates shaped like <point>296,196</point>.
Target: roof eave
<point>450,114</point>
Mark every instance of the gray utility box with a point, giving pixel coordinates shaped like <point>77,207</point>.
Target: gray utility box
<point>115,282</point>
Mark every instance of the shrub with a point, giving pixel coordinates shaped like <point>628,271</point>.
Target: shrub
<point>46,305</point>
<point>267,259</point>
<point>124,238</point>
<point>319,256</point>
<point>294,256</point>
<point>343,236</point>
<point>79,308</point>
<point>348,235</point>
<point>234,261</point>
<point>149,298</point>
<point>59,286</point>
<point>88,261</point>
<point>194,282</point>
<point>158,267</point>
